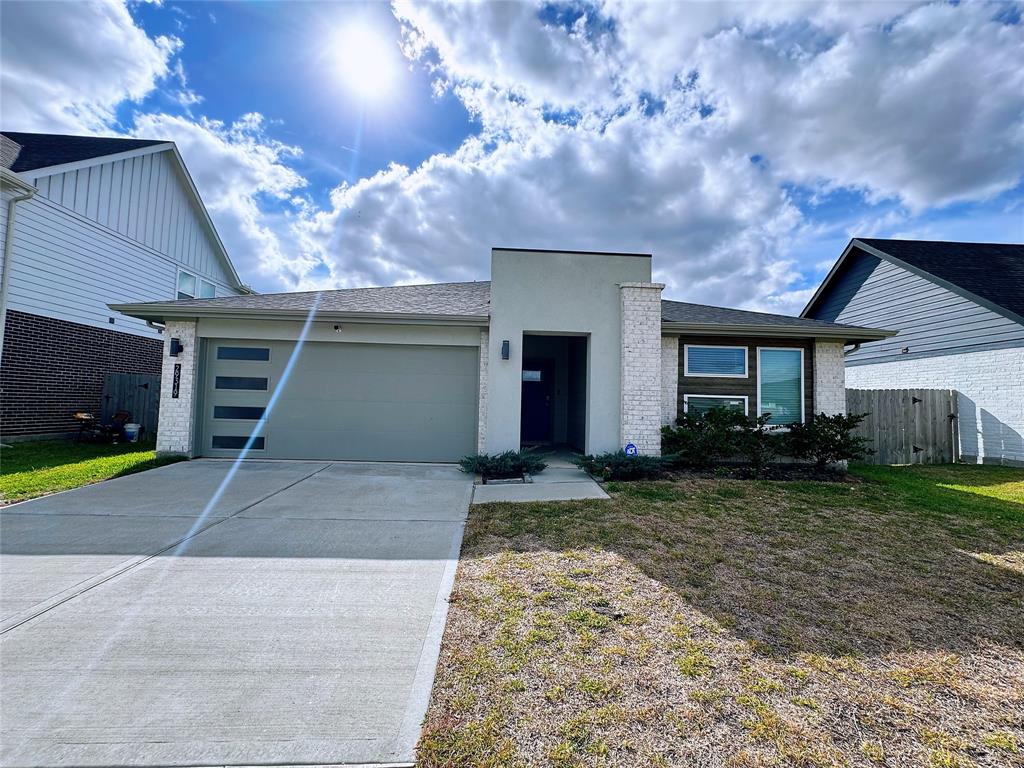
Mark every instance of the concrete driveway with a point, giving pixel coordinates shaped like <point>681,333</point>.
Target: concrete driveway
<point>209,613</point>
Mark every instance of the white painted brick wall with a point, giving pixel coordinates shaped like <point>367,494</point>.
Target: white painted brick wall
<point>829,377</point>
<point>641,367</point>
<point>990,384</point>
<point>174,434</point>
<point>481,428</point>
<point>669,379</point>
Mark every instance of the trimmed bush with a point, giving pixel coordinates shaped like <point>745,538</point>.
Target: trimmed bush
<point>827,439</point>
<point>701,440</point>
<point>503,465</point>
<point>759,444</point>
<point>619,466</point>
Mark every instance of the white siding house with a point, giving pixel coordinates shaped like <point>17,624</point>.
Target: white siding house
<point>108,220</point>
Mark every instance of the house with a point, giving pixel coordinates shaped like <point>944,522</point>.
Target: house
<point>960,311</point>
<point>86,221</point>
<point>558,347</point>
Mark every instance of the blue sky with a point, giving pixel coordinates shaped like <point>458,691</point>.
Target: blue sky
<point>743,144</point>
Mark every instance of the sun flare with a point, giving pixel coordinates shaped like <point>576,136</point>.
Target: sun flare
<point>365,61</point>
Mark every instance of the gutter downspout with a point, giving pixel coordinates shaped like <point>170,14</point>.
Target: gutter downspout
<point>5,279</point>
<point>848,352</point>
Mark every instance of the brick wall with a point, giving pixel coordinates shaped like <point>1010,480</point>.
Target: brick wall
<point>52,368</point>
<point>641,366</point>
<point>481,424</point>
<point>177,413</point>
<point>990,386</point>
<point>829,377</point>
<point>669,379</point>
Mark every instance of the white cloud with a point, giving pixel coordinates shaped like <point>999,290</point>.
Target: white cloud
<point>68,66</point>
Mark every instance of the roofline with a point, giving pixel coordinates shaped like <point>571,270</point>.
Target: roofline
<point>878,253</point>
<point>16,180</point>
<point>160,312</point>
<point>851,333</point>
<point>563,250</point>
<point>50,170</point>
<point>153,149</point>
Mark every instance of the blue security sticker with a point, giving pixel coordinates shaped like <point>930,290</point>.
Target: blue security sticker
<point>631,450</point>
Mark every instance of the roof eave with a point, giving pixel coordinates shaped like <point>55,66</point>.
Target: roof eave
<point>162,312</point>
<point>851,334</point>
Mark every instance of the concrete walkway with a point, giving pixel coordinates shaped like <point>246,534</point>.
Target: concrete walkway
<point>561,481</point>
<point>286,613</point>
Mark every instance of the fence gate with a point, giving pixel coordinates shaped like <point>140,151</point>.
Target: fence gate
<point>137,393</point>
<point>907,426</point>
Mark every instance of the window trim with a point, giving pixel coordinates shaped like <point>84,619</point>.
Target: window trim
<point>686,362</point>
<point>803,390</point>
<point>744,398</point>
<point>177,282</point>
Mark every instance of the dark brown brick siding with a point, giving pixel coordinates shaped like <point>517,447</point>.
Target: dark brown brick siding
<point>52,368</point>
<point>699,385</point>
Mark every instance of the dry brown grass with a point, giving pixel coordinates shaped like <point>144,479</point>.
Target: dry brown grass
<point>730,623</point>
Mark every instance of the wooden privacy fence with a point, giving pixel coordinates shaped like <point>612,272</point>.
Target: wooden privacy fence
<point>137,393</point>
<point>907,426</point>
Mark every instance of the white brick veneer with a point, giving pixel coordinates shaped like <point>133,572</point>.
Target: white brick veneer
<point>174,434</point>
<point>641,366</point>
<point>481,423</point>
<point>669,379</point>
<point>829,377</point>
<point>990,384</point>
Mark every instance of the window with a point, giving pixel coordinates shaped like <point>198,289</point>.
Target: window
<point>240,382</point>
<point>717,362</point>
<point>237,442</point>
<point>532,375</point>
<point>186,285</point>
<point>260,354</point>
<point>701,404</point>
<point>251,413</point>
<point>780,384</point>
<point>207,290</point>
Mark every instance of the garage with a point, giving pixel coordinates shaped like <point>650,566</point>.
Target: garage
<point>345,401</point>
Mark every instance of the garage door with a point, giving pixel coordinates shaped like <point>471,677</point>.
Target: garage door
<point>376,402</point>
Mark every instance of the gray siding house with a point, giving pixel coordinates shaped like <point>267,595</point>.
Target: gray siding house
<point>86,221</point>
<point>559,347</point>
<point>959,308</point>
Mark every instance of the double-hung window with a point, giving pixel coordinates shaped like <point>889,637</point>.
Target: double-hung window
<point>780,384</point>
<point>703,360</point>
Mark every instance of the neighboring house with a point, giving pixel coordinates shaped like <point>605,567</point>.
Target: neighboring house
<point>86,221</point>
<point>559,347</point>
<point>959,308</point>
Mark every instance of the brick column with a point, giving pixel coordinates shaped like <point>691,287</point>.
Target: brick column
<point>481,424</point>
<point>669,379</point>
<point>641,367</point>
<point>829,377</point>
<point>177,414</point>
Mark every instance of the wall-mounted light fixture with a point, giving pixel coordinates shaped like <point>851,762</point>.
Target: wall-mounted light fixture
<point>338,329</point>
<point>176,347</point>
<point>505,350</point>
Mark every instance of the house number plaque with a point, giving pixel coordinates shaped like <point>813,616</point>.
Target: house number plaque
<point>176,384</point>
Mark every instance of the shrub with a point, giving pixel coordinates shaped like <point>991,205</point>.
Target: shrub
<point>503,465</point>
<point>619,466</point>
<point>701,440</point>
<point>759,444</point>
<point>827,439</point>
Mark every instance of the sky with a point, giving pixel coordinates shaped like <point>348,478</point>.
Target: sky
<point>742,144</point>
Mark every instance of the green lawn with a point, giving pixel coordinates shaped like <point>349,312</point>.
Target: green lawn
<point>37,468</point>
<point>741,623</point>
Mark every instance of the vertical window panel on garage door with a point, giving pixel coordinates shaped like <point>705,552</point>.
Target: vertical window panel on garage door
<point>374,402</point>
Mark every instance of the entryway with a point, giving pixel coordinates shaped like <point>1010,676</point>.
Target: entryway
<point>554,391</point>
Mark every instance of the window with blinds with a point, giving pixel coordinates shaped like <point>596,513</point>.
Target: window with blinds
<point>715,362</point>
<point>780,384</point>
<point>701,404</point>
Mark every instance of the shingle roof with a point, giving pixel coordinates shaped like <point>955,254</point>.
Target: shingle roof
<point>703,314</point>
<point>455,299</point>
<point>992,271</point>
<point>29,151</point>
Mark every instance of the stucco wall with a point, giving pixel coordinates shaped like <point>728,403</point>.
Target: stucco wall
<point>558,293</point>
<point>991,396</point>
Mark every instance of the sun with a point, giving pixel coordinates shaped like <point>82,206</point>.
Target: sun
<point>365,61</point>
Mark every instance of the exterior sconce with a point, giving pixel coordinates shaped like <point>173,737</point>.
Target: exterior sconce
<point>505,350</point>
<point>176,347</point>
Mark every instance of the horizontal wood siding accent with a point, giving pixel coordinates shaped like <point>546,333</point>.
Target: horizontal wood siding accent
<point>145,199</point>
<point>700,385</point>
<point>930,319</point>
<point>68,267</point>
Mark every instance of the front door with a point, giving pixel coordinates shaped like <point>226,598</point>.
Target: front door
<point>538,387</point>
